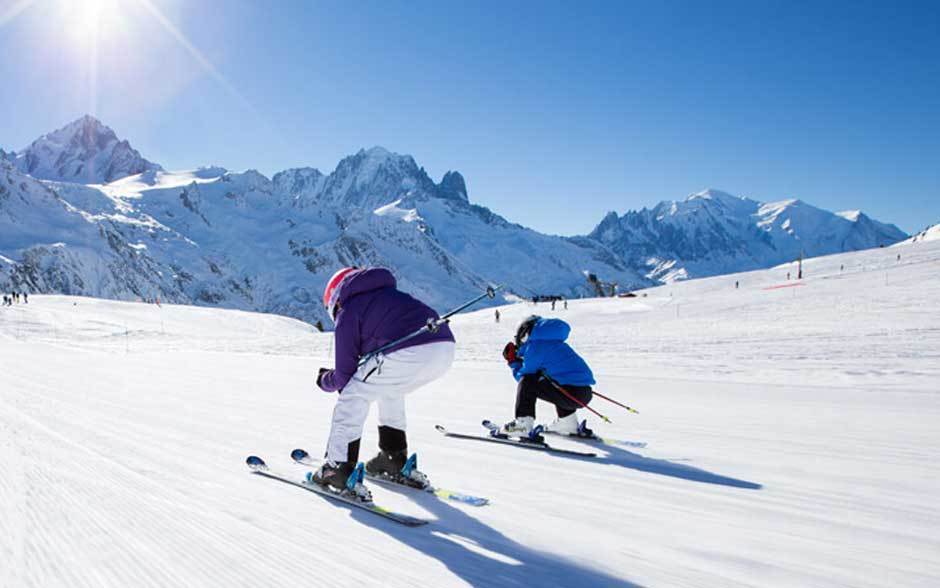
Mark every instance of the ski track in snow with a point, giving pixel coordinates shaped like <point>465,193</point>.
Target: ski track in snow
<point>790,435</point>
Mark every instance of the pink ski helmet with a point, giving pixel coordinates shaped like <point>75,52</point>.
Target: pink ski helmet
<point>331,290</point>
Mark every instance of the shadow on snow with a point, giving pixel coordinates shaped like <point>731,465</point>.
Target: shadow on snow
<point>482,556</point>
<point>663,467</point>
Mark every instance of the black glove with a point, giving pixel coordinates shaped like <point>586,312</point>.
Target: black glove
<point>509,352</point>
<point>320,376</point>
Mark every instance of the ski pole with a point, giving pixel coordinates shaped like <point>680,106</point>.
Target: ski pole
<point>608,399</point>
<point>432,326</point>
<point>489,293</point>
<point>570,396</point>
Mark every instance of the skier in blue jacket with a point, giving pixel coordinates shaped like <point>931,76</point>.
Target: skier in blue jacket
<point>541,361</point>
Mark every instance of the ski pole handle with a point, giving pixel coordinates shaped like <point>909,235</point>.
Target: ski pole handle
<point>489,293</point>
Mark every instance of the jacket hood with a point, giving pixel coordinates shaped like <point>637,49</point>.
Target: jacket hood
<point>552,329</point>
<point>365,280</point>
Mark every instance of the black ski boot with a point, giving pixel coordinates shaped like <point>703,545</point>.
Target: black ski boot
<point>342,478</point>
<point>387,463</point>
<point>332,474</point>
<point>397,467</point>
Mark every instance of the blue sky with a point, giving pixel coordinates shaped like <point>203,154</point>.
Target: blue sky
<point>555,112</point>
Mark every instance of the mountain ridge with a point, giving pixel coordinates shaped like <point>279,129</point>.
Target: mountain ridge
<point>713,232</point>
<point>240,239</point>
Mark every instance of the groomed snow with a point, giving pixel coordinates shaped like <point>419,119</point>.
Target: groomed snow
<point>791,436</point>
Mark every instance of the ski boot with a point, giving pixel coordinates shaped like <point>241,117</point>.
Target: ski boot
<point>343,479</point>
<point>395,466</point>
<point>564,425</point>
<point>518,427</point>
<point>584,432</point>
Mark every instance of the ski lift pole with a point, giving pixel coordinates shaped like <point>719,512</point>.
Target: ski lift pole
<point>431,327</point>
<point>561,389</point>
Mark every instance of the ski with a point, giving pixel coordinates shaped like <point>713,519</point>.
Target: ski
<point>301,457</point>
<point>504,440</point>
<point>258,467</point>
<point>599,440</point>
<point>586,434</point>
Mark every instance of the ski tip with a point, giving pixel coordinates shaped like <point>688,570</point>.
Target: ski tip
<point>634,444</point>
<point>299,455</point>
<point>490,426</point>
<point>462,498</point>
<point>472,500</point>
<point>255,463</point>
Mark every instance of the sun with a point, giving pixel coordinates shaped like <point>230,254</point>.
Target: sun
<point>100,41</point>
<point>90,21</point>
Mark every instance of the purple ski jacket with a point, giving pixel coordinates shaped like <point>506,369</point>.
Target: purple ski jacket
<point>373,313</point>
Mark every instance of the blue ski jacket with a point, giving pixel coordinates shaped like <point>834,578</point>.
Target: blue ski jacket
<point>545,350</point>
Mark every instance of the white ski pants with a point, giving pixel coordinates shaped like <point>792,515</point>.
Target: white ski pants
<point>392,377</point>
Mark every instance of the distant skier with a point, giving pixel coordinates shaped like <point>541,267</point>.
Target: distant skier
<point>25,298</point>
<point>538,356</point>
<point>497,316</point>
<point>370,312</point>
<point>566,304</point>
<point>553,304</point>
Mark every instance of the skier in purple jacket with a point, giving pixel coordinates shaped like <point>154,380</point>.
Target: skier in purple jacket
<point>369,312</point>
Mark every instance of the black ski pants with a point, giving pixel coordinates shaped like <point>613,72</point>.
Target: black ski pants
<point>534,386</point>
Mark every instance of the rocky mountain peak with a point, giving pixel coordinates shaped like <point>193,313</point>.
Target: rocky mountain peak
<point>453,187</point>
<point>84,151</point>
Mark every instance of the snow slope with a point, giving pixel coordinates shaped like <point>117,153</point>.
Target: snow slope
<point>931,233</point>
<point>791,431</point>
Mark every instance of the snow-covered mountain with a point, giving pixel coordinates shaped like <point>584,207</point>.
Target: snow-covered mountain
<point>84,151</point>
<point>242,240</point>
<point>713,232</point>
<point>96,248</point>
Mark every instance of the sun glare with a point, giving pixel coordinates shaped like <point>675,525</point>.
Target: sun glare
<point>91,21</point>
<point>105,44</point>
